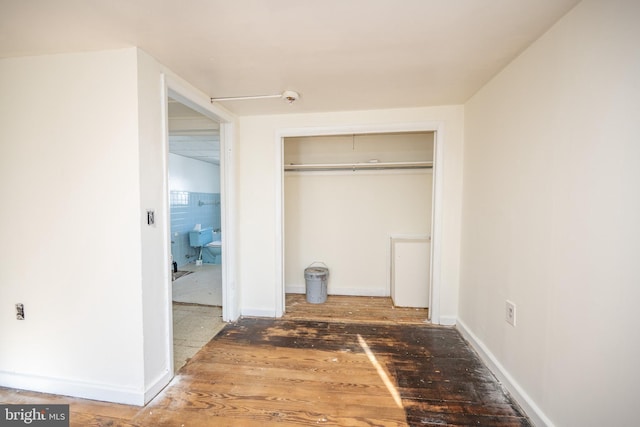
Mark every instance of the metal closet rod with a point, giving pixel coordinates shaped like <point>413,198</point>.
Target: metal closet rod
<point>356,166</point>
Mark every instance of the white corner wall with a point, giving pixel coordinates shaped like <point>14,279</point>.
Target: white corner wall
<point>83,157</point>
<point>259,182</point>
<point>550,219</point>
<point>154,84</point>
<point>155,280</point>
<point>70,223</point>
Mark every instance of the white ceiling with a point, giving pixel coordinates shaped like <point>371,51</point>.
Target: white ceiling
<point>193,135</point>
<point>200,147</point>
<point>338,54</point>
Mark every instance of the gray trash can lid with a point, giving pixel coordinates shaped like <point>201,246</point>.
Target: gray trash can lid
<point>315,272</point>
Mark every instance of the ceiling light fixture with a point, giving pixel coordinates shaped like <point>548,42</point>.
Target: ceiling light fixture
<point>288,95</point>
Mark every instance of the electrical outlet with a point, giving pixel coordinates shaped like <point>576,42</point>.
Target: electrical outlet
<point>510,313</point>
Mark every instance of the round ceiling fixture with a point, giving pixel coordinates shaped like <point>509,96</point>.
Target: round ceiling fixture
<point>290,96</point>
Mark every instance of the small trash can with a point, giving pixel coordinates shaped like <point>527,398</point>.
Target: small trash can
<point>316,283</point>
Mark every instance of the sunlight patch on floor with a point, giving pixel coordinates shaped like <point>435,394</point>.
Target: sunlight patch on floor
<point>381,372</point>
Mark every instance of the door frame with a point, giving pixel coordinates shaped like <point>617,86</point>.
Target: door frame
<point>185,94</point>
<point>436,220</point>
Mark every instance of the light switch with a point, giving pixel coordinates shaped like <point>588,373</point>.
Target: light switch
<point>151,220</point>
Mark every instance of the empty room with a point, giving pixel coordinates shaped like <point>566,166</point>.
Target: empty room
<point>384,213</point>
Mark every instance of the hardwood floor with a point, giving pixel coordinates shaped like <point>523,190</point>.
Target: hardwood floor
<point>345,371</point>
<point>370,310</point>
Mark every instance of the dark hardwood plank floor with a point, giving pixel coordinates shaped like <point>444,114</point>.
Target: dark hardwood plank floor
<point>297,372</point>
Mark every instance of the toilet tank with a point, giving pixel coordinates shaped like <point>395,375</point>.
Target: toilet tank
<point>201,237</point>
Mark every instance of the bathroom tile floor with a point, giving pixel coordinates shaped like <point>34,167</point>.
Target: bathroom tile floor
<point>202,286</point>
<point>193,327</point>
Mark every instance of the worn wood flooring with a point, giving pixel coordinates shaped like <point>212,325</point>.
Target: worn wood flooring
<point>342,371</point>
<point>348,309</point>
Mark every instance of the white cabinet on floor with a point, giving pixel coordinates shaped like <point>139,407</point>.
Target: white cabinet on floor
<point>410,271</point>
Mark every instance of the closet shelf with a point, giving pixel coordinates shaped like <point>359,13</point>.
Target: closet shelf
<point>356,166</point>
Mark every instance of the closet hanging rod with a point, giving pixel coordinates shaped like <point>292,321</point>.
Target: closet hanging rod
<point>356,166</point>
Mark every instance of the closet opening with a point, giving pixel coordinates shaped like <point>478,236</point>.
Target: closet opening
<point>363,205</point>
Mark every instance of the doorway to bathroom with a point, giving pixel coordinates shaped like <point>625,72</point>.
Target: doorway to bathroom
<point>195,210</point>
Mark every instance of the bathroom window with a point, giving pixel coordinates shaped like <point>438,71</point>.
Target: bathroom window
<point>179,198</point>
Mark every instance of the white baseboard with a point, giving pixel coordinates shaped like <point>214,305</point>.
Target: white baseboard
<point>532,410</point>
<point>294,289</point>
<point>102,392</point>
<point>157,386</point>
<point>257,312</point>
<point>356,292</point>
<point>448,320</point>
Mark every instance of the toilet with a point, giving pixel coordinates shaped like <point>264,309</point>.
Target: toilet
<point>209,244</point>
<point>214,249</point>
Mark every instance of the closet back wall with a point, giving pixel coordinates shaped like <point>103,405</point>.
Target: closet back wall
<point>345,219</point>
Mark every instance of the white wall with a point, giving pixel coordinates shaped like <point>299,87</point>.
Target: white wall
<point>156,300</point>
<point>346,219</point>
<point>70,225</point>
<point>186,174</point>
<point>258,184</point>
<point>551,208</point>
<point>76,249</point>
